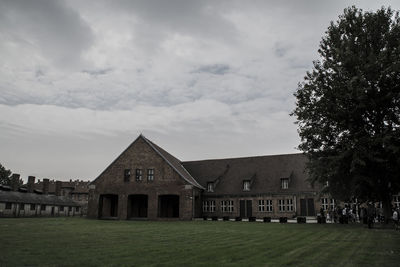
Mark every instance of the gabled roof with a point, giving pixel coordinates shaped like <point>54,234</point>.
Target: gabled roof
<point>32,198</point>
<point>265,172</point>
<point>175,163</point>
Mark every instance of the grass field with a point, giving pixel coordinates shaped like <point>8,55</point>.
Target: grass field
<point>83,242</point>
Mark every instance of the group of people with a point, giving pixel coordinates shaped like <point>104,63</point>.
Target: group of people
<point>367,215</point>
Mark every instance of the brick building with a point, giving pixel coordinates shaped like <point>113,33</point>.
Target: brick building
<point>146,182</point>
<point>29,201</point>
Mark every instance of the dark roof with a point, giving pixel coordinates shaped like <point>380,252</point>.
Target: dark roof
<point>171,160</point>
<point>77,186</point>
<point>32,198</point>
<point>264,172</point>
<point>175,163</point>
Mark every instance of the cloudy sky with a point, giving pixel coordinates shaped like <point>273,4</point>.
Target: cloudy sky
<point>80,80</point>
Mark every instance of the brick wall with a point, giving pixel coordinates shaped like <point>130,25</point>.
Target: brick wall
<point>139,155</point>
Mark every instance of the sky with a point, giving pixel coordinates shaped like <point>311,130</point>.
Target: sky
<point>80,80</point>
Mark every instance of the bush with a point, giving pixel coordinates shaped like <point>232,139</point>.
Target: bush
<point>238,219</point>
<point>225,218</point>
<point>267,219</point>
<point>252,219</point>
<point>283,219</point>
<point>214,218</point>
<point>301,220</point>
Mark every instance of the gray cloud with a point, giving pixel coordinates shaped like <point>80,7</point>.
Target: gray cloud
<point>204,79</point>
<point>51,27</point>
<point>217,69</point>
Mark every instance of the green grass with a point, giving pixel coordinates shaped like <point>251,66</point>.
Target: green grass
<point>83,242</point>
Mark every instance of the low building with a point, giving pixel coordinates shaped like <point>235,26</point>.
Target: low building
<point>146,182</point>
<point>28,202</point>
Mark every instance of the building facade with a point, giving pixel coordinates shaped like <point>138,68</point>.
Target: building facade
<point>146,182</point>
<point>29,202</point>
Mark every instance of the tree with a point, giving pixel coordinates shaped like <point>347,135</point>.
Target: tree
<point>348,108</point>
<point>5,176</point>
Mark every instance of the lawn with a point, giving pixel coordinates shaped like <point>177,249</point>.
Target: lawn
<point>84,242</point>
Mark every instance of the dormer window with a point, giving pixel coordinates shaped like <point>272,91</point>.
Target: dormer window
<point>210,187</point>
<point>285,183</point>
<point>246,185</point>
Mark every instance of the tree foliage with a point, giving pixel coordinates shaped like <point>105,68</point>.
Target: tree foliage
<point>5,176</point>
<point>348,107</point>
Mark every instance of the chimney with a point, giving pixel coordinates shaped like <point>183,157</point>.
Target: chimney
<point>58,188</point>
<point>45,186</point>
<point>31,183</point>
<point>15,182</point>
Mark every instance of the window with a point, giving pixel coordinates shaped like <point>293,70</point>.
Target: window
<point>61,208</point>
<point>33,206</point>
<point>210,187</point>
<point>227,206</point>
<point>150,174</point>
<point>289,204</point>
<point>396,200</point>
<point>223,206</point>
<point>69,208</point>
<point>281,205</point>
<point>21,206</point>
<point>138,174</point>
<point>333,204</point>
<point>246,185</point>
<point>127,175</point>
<point>230,205</point>
<point>209,206</point>
<point>324,203</point>
<point>8,205</point>
<point>42,207</point>
<point>261,205</point>
<point>265,205</point>
<point>268,205</point>
<point>212,206</point>
<point>77,209</point>
<point>284,183</point>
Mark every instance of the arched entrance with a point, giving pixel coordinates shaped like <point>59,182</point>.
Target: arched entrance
<point>108,206</point>
<point>137,206</point>
<point>168,206</point>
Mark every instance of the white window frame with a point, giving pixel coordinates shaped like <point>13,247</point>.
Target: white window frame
<point>212,205</point>
<point>230,206</point>
<point>205,206</point>
<point>150,174</point>
<point>138,174</point>
<point>246,185</point>
<point>210,187</point>
<point>332,205</point>
<point>223,206</point>
<point>268,205</point>
<point>285,183</point>
<point>281,205</point>
<point>289,204</point>
<point>261,205</point>
<point>324,203</point>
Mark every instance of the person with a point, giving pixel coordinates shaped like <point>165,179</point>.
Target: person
<point>395,218</point>
<point>344,215</point>
<point>371,213</point>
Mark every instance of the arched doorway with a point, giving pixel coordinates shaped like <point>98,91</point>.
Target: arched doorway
<point>137,206</point>
<point>168,206</point>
